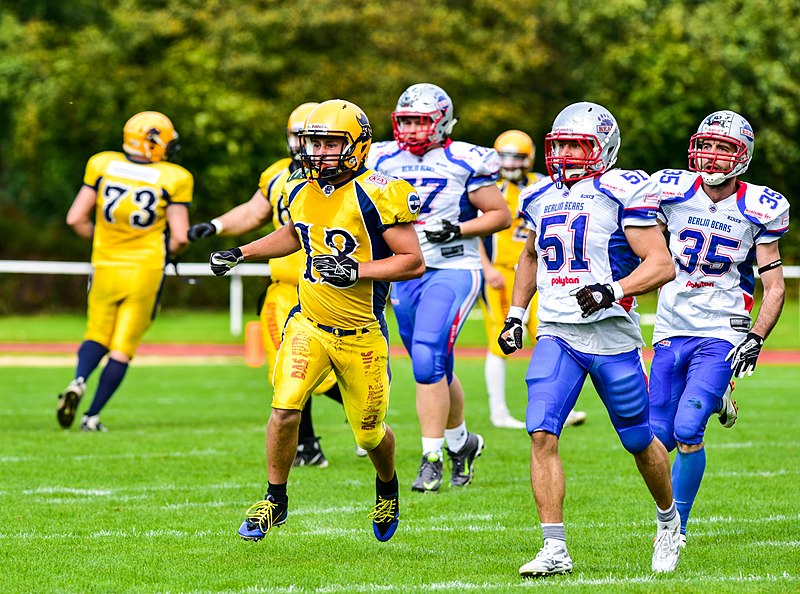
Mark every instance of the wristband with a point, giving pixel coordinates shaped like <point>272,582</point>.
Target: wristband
<point>516,312</point>
<point>217,225</point>
<point>617,290</point>
<point>770,266</point>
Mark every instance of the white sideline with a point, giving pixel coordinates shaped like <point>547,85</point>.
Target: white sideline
<point>187,269</point>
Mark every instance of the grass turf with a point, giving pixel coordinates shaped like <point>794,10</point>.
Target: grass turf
<point>154,505</point>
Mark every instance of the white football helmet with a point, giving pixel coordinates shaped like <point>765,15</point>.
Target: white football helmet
<point>722,126</point>
<point>595,131</point>
<point>433,107</point>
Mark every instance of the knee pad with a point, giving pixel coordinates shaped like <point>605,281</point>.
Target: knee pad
<point>635,438</point>
<point>427,362</point>
<point>688,430</point>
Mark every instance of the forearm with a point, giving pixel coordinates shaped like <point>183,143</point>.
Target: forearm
<point>398,267</point>
<point>282,242</point>
<point>653,272</point>
<point>239,220</point>
<point>770,310</point>
<point>524,281</point>
<point>84,229</point>
<point>486,224</point>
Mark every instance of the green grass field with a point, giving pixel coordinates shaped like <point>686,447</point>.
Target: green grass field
<point>154,505</point>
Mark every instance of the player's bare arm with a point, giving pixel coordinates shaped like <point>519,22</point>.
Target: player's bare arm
<point>407,261</point>
<point>525,277</point>
<point>245,217</point>
<point>774,289</point>
<point>495,214</point>
<point>178,221</point>
<point>656,267</point>
<point>79,216</point>
<point>282,242</point>
<point>493,277</point>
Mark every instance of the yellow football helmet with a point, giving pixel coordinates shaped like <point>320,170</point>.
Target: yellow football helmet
<point>150,135</point>
<point>339,119</point>
<point>516,150</point>
<point>297,120</point>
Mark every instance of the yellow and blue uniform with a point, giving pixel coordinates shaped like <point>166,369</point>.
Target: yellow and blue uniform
<point>342,328</point>
<point>503,250</point>
<point>129,247</point>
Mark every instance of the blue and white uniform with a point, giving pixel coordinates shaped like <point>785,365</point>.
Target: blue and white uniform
<point>580,240</point>
<point>705,311</point>
<point>431,310</point>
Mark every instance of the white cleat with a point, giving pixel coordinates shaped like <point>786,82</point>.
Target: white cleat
<point>361,452</point>
<point>728,411</point>
<point>683,541</point>
<point>506,421</point>
<point>550,560</point>
<point>93,424</point>
<point>575,417</point>
<point>667,550</point>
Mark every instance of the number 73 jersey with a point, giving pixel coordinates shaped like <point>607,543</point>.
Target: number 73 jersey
<point>580,238</point>
<point>714,248</point>
<point>131,212</point>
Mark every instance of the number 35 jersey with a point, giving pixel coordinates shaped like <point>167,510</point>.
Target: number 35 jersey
<point>580,239</point>
<point>131,213</point>
<point>346,220</point>
<point>444,177</point>
<point>714,248</point>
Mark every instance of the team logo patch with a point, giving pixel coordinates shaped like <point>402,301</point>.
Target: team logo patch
<point>328,190</point>
<point>713,208</point>
<point>605,124</point>
<point>414,203</point>
<point>377,178</point>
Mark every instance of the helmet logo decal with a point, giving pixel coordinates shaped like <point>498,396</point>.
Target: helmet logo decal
<point>605,124</point>
<point>747,131</point>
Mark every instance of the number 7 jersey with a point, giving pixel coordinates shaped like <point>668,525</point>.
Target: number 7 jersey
<point>714,248</point>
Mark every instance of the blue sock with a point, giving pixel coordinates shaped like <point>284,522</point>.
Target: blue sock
<point>687,473</point>
<point>110,380</point>
<point>90,353</point>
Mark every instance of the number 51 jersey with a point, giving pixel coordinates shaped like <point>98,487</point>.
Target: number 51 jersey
<point>580,240</point>
<point>714,248</point>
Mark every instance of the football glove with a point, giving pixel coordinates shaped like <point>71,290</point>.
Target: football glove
<point>201,230</point>
<point>743,356</point>
<point>341,271</point>
<point>510,338</point>
<point>222,261</point>
<point>448,232</point>
<point>593,298</point>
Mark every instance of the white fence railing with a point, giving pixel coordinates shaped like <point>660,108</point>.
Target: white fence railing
<point>185,269</point>
<point>190,269</point>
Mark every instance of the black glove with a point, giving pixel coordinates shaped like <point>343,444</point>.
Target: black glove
<point>449,232</point>
<point>201,230</point>
<point>593,298</point>
<point>221,262</point>
<point>743,356</point>
<point>510,338</point>
<point>340,271</point>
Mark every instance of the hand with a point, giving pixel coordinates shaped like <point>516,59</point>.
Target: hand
<point>341,271</point>
<point>221,262</point>
<point>743,356</point>
<point>201,230</point>
<point>510,338</point>
<point>593,298</point>
<point>448,232</point>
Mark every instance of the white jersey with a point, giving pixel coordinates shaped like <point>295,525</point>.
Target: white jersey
<point>580,240</point>
<point>714,248</point>
<point>443,177</point>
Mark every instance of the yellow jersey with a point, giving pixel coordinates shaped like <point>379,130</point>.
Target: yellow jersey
<point>504,247</point>
<point>348,219</point>
<point>286,269</point>
<point>131,212</point>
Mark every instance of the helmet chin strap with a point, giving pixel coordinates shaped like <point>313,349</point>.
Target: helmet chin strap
<point>714,179</point>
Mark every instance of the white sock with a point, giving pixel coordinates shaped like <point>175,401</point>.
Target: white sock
<point>432,444</point>
<point>456,438</point>
<point>495,374</point>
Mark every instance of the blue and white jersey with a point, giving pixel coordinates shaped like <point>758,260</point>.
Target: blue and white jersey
<point>580,240</point>
<point>443,178</point>
<point>714,249</point>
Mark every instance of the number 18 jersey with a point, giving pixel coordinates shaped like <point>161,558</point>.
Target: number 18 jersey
<point>714,247</point>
